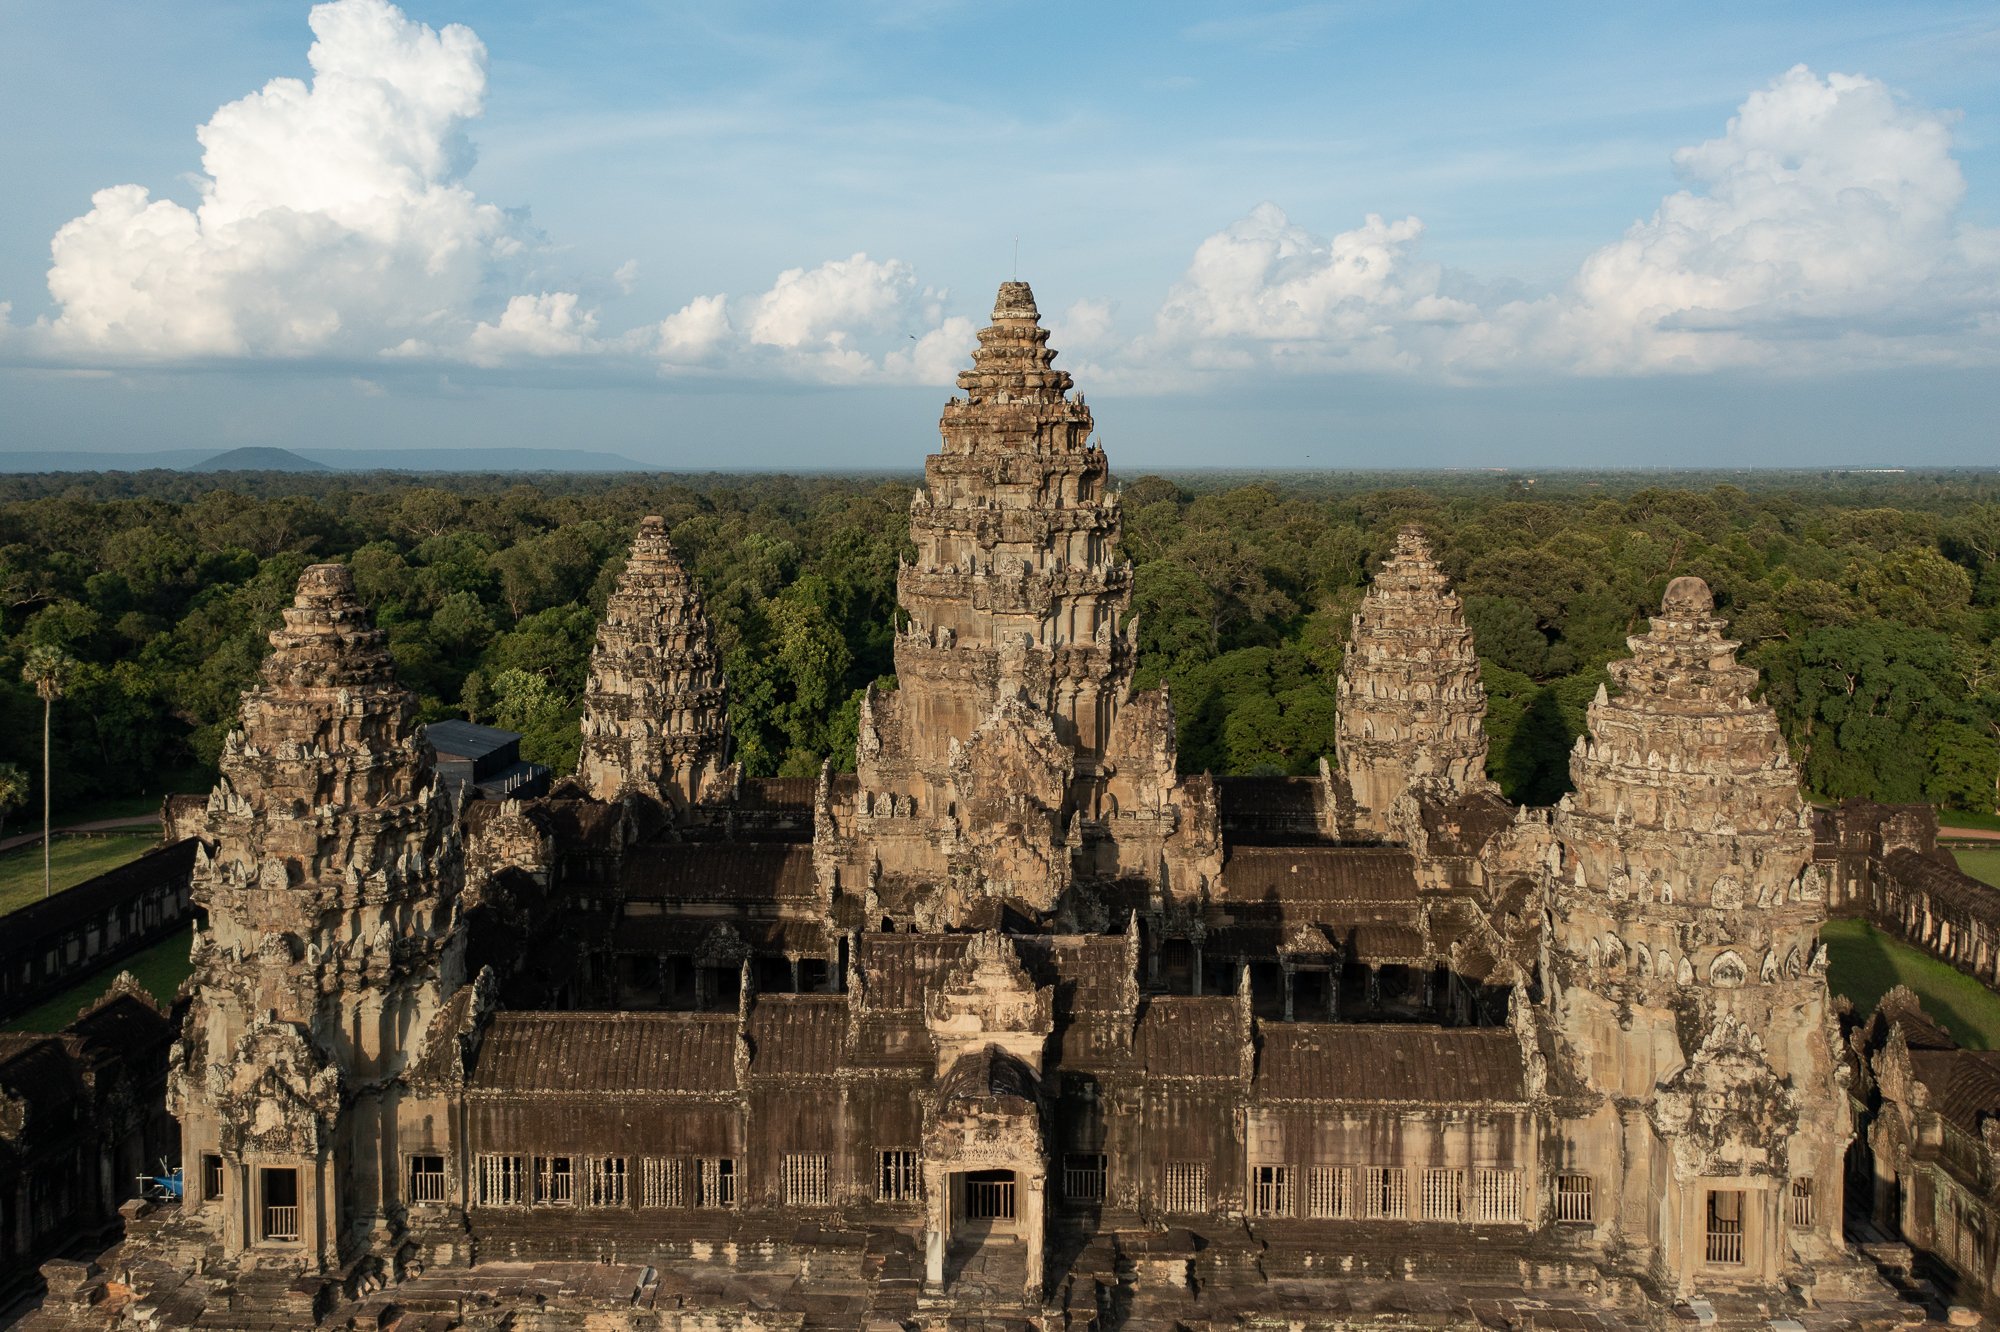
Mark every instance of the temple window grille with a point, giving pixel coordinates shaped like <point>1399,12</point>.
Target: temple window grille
<point>1329,1192</point>
<point>1444,1195</point>
<point>502,1179</point>
<point>1271,1190</point>
<point>897,1181</point>
<point>1496,1195</point>
<point>1802,1203</point>
<point>1187,1188</point>
<point>1725,1227</point>
<point>281,1204</point>
<point>805,1179</point>
<point>555,1183</point>
<point>662,1182</point>
<point>1083,1177</point>
<point>989,1195</point>
<point>604,1181</point>
<point>427,1179</point>
<point>1386,1192</point>
<point>715,1182</point>
<point>1575,1199</point>
<point>211,1176</point>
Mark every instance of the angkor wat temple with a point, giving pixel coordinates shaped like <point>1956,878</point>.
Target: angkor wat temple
<point>1014,1024</point>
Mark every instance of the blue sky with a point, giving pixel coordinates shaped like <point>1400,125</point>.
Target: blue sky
<point>762,235</point>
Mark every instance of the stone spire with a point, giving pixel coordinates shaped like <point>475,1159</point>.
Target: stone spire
<point>330,873</point>
<point>655,715</point>
<point>1411,705</point>
<point>1005,724</point>
<point>1686,965</point>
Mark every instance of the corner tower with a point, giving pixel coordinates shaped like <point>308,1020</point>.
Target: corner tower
<point>329,870</point>
<point>1686,974</point>
<point>1412,708</point>
<point>655,710</point>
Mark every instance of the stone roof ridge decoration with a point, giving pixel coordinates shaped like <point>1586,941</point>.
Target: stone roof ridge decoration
<point>655,719</point>
<point>1412,708</point>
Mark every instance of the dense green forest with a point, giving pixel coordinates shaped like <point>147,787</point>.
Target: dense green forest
<point>1872,605</point>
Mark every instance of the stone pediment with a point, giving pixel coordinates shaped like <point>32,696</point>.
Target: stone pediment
<point>276,1093</point>
<point>1726,1111</point>
<point>988,998</point>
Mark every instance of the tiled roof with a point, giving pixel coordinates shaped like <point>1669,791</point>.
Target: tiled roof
<point>1964,1084</point>
<point>1944,884</point>
<point>1191,1036</point>
<point>778,793</point>
<point>1265,809</point>
<point>897,968</point>
<point>1337,1061</point>
<point>685,935</point>
<point>40,1070</point>
<point>798,1033</point>
<point>1090,972</point>
<point>1320,874</point>
<point>989,1077</point>
<point>720,872</point>
<point>607,1052</point>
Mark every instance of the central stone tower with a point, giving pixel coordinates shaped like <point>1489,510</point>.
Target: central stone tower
<point>1011,747</point>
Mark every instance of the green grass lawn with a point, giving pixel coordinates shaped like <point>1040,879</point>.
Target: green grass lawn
<point>161,969</point>
<point>1981,862</point>
<point>1863,963</point>
<point>73,859</point>
<point>1960,818</point>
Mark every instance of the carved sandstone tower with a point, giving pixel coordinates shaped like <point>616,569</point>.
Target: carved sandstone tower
<point>655,717</point>
<point>1411,705</point>
<point>1687,971</point>
<point>330,875</point>
<point>1013,725</point>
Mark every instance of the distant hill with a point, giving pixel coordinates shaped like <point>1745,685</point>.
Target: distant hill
<point>263,458</point>
<point>475,460</point>
<point>259,459</point>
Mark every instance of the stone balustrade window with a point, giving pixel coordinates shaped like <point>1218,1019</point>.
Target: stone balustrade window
<point>604,1181</point>
<point>662,1182</point>
<point>805,1179</point>
<point>1271,1190</point>
<point>1496,1195</point>
<point>1186,1188</point>
<point>1444,1195</point>
<point>715,1182</point>
<point>555,1181</point>
<point>1385,1193</point>
<point>897,1180</point>
<point>211,1176</point>
<point>501,1178</point>
<point>1576,1199</point>
<point>1802,1203</point>
<point>1329,1192</point>
<point>427,1180</point>
<point>1084,1177</point>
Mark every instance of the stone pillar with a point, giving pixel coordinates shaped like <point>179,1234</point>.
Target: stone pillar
<point>1194,946</point>
<point>1033,1212</point>
<point>1286,969</point>
<point>937,1226</point>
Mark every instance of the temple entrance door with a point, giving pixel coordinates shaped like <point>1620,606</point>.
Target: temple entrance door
<point>986,1257</point>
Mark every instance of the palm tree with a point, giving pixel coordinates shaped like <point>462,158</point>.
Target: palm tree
<point>13,791</point>
<point>48,669</point>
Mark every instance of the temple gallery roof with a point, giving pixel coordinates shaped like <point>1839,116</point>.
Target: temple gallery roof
<point>1333,1061</point>
<point>607,1053</point>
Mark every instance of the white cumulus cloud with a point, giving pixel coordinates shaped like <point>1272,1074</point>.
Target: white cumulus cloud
<point>1821,231</point>
<point>330,217</point>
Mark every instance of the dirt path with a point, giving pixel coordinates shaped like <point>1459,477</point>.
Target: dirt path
<point>1968,835</point>
<point>131,823</point>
